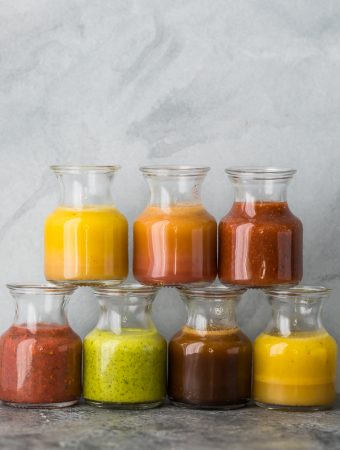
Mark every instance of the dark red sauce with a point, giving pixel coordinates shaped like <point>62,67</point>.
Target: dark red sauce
<point>260,244</point>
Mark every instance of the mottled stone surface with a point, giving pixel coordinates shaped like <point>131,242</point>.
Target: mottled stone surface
<point>170,428</point>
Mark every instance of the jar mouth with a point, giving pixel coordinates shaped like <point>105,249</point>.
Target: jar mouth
<point>174,170</point>
<point>214,292</point>
<point>62,289</point>
<point>128,288</point>
<point>78,169</point>
<point>303,291</point>
<point>260,173</point>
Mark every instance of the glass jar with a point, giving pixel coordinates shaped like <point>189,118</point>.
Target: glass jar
<point>86,237</point>
<point>295,357</point>
<point>210,358</point>
<point>175,237</point>
<point>260,240</point>
<point>125,356</point>
<point>40,355</point>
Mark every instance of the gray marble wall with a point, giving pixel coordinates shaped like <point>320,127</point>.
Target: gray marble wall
<point>213,82</point>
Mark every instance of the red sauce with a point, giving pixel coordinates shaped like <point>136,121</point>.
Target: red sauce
<point>40,364</point>
<point>260,244</point>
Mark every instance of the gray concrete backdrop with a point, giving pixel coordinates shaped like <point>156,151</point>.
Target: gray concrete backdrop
<point>197,82</point>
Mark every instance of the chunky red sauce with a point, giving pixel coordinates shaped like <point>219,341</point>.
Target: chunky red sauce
<point>260,244</point>
<point>40,365</point>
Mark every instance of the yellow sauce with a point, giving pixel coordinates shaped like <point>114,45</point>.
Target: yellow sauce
<point>298,370</point>
<point>86,244</point>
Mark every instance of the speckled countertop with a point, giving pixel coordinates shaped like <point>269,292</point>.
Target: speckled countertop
<point>170,428</point>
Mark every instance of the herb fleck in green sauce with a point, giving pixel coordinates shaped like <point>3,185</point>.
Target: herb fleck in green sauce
<point>125,368</point>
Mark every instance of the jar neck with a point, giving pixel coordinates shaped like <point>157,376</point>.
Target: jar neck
<point>251,191</point>
<point>85,188</point>
<point>295,315</point>
<point>119,314</point>
<point>175,190</point>
<point>33,309</point>
<point>211,314</point>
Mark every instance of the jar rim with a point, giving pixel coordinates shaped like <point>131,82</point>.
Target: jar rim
<point>174,170</point>
<point>62,289</point>
<point>299,291</point>
<point>76,169</point>
<point>126,288</point>
<point>260,172</point>
<point>214,291</point>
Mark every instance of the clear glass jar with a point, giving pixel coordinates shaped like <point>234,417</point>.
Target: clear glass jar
<point>260,240</point>
<point>40,355</point>
<point>86,237</point>
<point>210,358</point>
<point>175,238</point>
<point>125,356</point>
<point>295,357</point>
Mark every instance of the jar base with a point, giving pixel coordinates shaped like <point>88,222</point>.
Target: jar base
<point>260,286</point>
<point>40,405</point>
<point>295,408</point>
<point>196,284</point>
<point>211,407</point>
<point>109,405</point>
<point>87,282</point>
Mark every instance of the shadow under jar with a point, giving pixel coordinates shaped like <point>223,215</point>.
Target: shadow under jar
<point>125,356</point>
<point>40,355</point>
<point>210,358</point>
<point>86,237</point>
<point>175,238</point>
<point>295,357</point>
<point>260,239</point>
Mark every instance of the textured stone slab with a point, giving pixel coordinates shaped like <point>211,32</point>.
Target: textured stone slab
<point>86,428</point>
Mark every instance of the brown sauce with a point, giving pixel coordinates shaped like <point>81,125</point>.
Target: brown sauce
<point>210,369</point>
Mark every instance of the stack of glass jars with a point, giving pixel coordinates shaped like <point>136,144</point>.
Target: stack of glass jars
<point>260,246</point>
<point>211,363</point>
<point>175,244</point>
<point>86,243</point>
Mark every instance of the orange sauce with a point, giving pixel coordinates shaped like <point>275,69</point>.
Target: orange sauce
<point>175,245</point>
